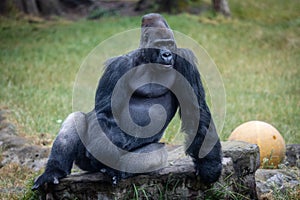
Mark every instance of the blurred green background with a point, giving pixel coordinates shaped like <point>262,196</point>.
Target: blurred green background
<point>256,51</point>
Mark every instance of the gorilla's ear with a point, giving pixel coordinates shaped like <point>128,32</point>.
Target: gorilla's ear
<point>154,20</point>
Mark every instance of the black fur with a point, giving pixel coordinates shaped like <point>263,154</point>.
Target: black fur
<point>68,147</point>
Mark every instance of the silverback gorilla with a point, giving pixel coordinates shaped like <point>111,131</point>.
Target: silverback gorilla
<point>137,96</point>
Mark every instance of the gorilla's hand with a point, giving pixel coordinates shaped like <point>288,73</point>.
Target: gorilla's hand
<point>49,176</point>
<point>208,170</point>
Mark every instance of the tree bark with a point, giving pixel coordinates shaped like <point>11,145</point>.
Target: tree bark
<point>40,7</point>
<point>50,7</point>
<point>30,7</point>
<point>19,5</point>
<point>221,6</point>
<point>169,6</point>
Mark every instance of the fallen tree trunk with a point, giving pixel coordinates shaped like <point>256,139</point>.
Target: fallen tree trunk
<point>176,181</point>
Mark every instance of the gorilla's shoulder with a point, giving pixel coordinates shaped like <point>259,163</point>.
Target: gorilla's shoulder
<point>186,53</point>
<point>123,58</point>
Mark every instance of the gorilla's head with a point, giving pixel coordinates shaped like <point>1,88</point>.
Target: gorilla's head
<point>157,39</point>
<point>157,47</point>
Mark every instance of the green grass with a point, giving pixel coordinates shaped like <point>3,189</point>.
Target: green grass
<point>257,53</point>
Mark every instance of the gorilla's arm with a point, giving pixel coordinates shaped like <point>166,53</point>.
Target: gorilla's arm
<point>207,160</point>
<point>66,148</point>
<point>115,68</point>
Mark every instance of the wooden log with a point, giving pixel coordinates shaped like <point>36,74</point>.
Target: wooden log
<point>176,181</point>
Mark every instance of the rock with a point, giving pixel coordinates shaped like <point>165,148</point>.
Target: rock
<point>245,156</point>
<point>293,155</point>
<point>246,161</point>
<point>9,141</point>
<point>33,157</point>
<point>176,181</point>
<point>272,183</point>
<point>16,149</point>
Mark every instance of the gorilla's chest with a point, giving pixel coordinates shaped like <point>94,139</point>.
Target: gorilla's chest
<point>143,121</point>
<point>143,110</point>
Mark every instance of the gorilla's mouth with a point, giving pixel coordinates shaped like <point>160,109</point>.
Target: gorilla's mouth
<point>166,67</point>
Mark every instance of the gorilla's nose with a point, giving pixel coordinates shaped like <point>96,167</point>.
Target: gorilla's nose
<point>166,56</point>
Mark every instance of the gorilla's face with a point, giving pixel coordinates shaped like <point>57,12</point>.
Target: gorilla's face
<point>159,44</point>
<point>160,55</point>
<point>158,47</point>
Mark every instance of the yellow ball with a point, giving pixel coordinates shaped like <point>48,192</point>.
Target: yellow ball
<point>268,139</point>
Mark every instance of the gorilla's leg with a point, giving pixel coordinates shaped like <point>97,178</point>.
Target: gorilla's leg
<point>146,159</point>
<point>149,158</point>
<point>64,151</point>
<point>118,163</point>
<point>68,148</point>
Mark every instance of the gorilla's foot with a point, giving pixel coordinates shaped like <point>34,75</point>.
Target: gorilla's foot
<point>48,177</point>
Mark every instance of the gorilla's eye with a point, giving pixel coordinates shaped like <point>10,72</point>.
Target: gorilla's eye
<point>160,44</point>
<point>170,45</point>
